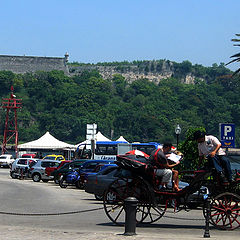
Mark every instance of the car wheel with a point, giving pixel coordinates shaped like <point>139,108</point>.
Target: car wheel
<point>62,183</point>
<point>44,180</point>
<point>98,197</point>
<point>56,180</point>
<point>36,177</point>
<point>79,184</point>
<point>12,174</point>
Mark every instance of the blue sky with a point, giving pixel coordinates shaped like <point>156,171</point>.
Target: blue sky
<point>94,31</point>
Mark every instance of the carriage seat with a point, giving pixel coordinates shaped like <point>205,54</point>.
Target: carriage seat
<point>156,181</point>
<point>237,177</point>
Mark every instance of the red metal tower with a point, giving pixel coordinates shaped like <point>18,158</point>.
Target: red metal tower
<point>11,130</point>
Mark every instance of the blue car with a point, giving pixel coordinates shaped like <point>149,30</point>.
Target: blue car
<point>99,168</point>
<point>91,167</point>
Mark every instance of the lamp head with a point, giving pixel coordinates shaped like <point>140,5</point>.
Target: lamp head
<point>178,129</point>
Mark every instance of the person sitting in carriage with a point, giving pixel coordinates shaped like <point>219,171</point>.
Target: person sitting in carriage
<point>210,147</point>
<point>159,159</point>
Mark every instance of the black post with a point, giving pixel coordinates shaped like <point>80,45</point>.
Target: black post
<point>206,232</point>
<point>177,140</point>
<point>92,148</point>
<point>130,206</point>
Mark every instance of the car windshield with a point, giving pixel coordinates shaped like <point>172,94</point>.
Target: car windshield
<point>22,161</point>
<point>49,158</point>
<point>3,157</point>
<point>50,164</point>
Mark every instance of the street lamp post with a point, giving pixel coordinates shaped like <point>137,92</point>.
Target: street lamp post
<point>178,131</point>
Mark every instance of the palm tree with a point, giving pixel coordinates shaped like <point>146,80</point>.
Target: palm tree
<point>235,56</point>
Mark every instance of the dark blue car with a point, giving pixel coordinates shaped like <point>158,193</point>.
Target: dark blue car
<point>99,168</point>
<point>92,167</point>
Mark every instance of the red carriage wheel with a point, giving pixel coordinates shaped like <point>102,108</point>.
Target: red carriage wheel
<point>225,211</point>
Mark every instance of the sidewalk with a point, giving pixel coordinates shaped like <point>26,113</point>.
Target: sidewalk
<point>18,233</point>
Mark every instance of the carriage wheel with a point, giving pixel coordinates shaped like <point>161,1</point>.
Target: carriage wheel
<point>225,211</point>
<point>119,190</point>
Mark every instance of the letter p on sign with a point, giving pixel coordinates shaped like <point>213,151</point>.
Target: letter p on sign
<point>227,129</point>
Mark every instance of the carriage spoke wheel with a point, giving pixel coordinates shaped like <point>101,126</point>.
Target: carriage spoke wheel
<point>121,189</point>
<point>225,211</point>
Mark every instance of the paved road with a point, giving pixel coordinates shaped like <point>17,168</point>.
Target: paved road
<point>26,196</point>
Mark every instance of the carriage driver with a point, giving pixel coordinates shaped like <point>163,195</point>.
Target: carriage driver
<point>210,147</point>
<point>158,158</point>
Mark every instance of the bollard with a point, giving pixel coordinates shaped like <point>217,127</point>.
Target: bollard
<point>206,232</point>
<point>130,206</point>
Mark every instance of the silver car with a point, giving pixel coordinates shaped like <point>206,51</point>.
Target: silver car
<point>21,166</point>
<point>37,171</point>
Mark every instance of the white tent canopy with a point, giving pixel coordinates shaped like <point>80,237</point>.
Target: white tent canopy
<point>98,137</point>
<point>47,141</point>
<point>121,139</point>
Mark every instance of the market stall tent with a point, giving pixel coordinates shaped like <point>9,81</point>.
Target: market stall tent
<point>47,141</point>
<point>121,139</point>
<point>101,137</point>
<point>98,137</point>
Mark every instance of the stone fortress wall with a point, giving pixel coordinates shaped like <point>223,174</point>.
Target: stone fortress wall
<point>23,64</point>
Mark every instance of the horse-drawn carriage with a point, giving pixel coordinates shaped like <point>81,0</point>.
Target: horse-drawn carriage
<point>140,182</point>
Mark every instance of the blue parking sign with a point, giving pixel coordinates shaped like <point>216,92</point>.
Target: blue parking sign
<point>227,135</point>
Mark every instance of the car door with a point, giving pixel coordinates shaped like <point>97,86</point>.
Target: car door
<point>43,166</point>
<point>88,167</point>
<point>22,163</point>
<point>103,180</point>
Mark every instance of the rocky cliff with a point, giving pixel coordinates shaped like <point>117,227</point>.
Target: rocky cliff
<point>154,71</point>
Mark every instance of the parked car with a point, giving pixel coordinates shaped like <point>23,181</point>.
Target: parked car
<point>49,170</point>
<point>98,183</point>
<point>90,165</point>
<point>6,160</point>
<point>21,166</point>
<point>37,171</point>
<point>54,157</point>
<point>99,168</point>
<point>66,168</point>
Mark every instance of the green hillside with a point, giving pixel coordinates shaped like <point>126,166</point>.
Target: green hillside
<point>140,111</point>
